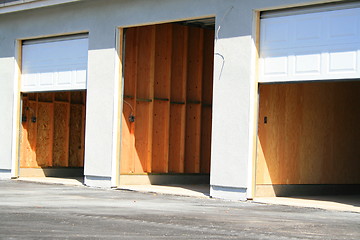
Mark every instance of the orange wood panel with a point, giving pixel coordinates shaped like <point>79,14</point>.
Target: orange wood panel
<point>194,97</point>
<point>179,63</point>
<point>208,66</point>
<point>62,96</point>
<point>61,134</point>
<point>128,139</point>
<point>131,62</point>
<point>28,135</point>
<point>45,131</point>
<point>206,115</point>
<point>76,156</point>
<point>195,64</point>
<point>177,138</point>
<point>178,96</point>
<point>160,142</point>
<point>127,164</point>
<point>145,95</point>
<point>45,96</point>
<point>146,62</point>
<point>310,136</point>
<point>143,136</point>
<point>207,89</point>
<point>192,138</point>
<point>77,97</point>
<point>163,52</point>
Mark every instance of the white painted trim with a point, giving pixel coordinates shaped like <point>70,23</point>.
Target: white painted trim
<point>115,159</point>
<point>16,112</point>
<point>253,107</point>
<point>32,5</point>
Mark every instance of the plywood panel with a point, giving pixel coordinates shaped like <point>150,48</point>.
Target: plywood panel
<point>163,52</point>
<point>62,96</point>
<point>194,97</point>
<point>160,138</point>
<point>160,142</point>
<point>309,137</point>
<point>45,131</point>
<point>76,152</point>
<point>195,64</point>
<point>61,134</point>
<point>177,138</point>
<point>208,66</point>
<point>128,139</point>
<point>178,98</point>
<point>192,139</point>
<point>128,151</point>
<point>206,115</point>
<point>144,95</point>
<point>28,135</point>
<point>143,136</point>
<point>179,63</point>
<point>45,96</point>
<point>77,97</point>
<point>146,61</point>
<point>207,89</point>
<point>165,70</point>
<point>131,62</point>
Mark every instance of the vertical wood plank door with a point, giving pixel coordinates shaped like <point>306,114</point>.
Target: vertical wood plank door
<point>53,130</point>
<point>166,66</point>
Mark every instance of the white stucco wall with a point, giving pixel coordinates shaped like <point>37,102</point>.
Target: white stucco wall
<point>234,100</point>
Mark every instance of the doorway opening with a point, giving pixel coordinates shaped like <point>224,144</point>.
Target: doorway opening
<point>167,110</point>
<point>308,139</point>
<point>52,140</point>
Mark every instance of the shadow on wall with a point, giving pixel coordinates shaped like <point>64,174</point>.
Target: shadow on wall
<point>308,138</point>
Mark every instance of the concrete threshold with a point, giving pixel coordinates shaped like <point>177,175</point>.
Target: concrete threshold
<point>347,203</point>
<point>75,181</point>
<point>196,190</point>
<point>191,190</point>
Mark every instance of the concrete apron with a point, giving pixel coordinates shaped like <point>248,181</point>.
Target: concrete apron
<point>348,203</point>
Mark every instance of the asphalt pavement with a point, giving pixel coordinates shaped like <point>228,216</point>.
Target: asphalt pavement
<point>47,211</point>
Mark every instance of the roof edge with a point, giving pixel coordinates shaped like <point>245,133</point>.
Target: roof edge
<point>22,5</point>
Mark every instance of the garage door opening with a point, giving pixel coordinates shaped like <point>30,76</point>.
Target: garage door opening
<point>167,110</point>
<point>53,102</point>
<point>308,139</point>
<point>52,134</point>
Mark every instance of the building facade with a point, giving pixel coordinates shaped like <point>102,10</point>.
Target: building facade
<point>256,97</point>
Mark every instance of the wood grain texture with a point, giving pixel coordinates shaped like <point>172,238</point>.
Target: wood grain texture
<point>166,66</point>
<point>127,160</point>
<point>145,91</point>
<point>61,134</point>
<point>194,97</point>
<point>28,136</point>
<point>207,96</point>
<point>192,138</point>
<point>160,142</point>
<point>179,63</point>
<point>76,156</point>
<point>143,137</point>
<point>177,138</point>
<point>45,131</point>
<point>48,136</point>
<point>311,135</point>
